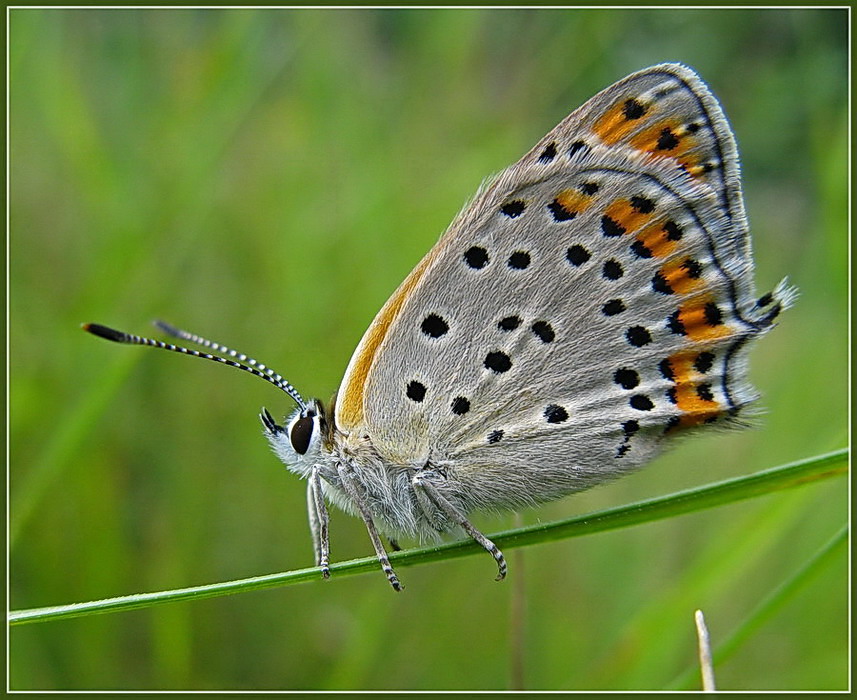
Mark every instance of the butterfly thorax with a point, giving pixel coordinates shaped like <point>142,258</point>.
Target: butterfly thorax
<point>309,444</point>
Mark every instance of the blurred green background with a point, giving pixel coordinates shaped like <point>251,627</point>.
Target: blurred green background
<point>266,178</point>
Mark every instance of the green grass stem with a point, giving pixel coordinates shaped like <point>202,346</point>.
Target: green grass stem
<point>787,476</point>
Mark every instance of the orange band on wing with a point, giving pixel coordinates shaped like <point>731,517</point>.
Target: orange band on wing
<point>693,397</point>
<point>659,238</point>
<point>349,401</point>
<point>618,121</point>
<point>629,214</point>
<point>682,275</point>
<point>574,201</point>
<point>702,319</point>
<point>695,167</point>
<point>666,138</point>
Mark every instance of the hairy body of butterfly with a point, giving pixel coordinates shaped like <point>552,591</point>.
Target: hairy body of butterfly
<point>591,302</point>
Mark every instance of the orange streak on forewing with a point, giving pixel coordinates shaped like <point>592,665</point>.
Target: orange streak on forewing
<point>695,168</point>
<point>647,139</point>
<point>613,126</point>
<point>626,216</point>
<point>574,201</point>
<point>349,401</point>
<point>655,238</point>
<point>678,278</point>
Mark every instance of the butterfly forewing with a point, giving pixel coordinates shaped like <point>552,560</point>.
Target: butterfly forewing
<point>666,111</point>
<point>585,306</point>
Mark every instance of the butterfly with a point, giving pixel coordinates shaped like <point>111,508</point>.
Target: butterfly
<point>591,303</point>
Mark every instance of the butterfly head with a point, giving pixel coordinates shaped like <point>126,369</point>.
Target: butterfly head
<point>300,442</point>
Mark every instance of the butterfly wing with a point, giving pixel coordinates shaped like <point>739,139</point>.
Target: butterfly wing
<point>594,299</point>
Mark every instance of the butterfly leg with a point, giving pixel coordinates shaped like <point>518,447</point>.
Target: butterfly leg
<point>318,522</point>
<point>430,490</point>
<point>351,490</point>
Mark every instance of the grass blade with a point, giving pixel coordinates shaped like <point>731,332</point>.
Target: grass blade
<point>770,605</point>
<point>741,488</point>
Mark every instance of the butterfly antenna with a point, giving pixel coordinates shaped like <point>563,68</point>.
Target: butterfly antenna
<point>251,365</point>
<point>217,347</point>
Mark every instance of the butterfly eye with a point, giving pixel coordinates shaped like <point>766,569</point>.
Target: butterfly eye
<point>300,434</point>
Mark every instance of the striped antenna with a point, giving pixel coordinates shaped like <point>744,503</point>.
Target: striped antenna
<point>252,366</point>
